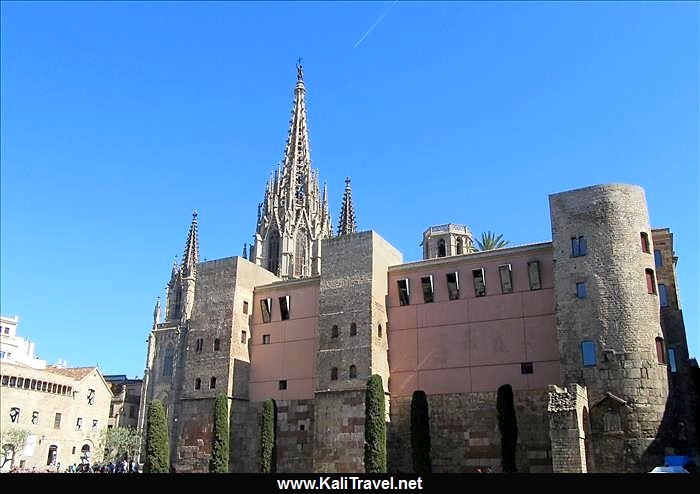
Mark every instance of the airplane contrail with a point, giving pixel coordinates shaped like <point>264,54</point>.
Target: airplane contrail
<point>375,23</point>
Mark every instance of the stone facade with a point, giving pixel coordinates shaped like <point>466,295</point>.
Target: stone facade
<point>124,410</point>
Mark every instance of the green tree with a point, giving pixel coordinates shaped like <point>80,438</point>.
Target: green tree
<point>267,438</point>
<point>490,241</point>
<point>508,426</point>
<point>375,426</point>
<point>12,442</point>
<point>219,449</point>
<point>119,442</point>
<point>420,433</point>
<point>157,448</point>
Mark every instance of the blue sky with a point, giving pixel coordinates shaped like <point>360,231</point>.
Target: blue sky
<point>119,119</point>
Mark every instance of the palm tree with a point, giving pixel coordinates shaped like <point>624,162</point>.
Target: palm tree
<point>490,241</point>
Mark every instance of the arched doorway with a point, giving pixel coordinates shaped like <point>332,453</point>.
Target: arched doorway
<point>85,454</point>
<point>53,455</point>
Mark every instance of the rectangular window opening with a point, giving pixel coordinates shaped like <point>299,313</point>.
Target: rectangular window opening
<point>651,285</point>
<point>581,291</point>
<point>658,260</point>
<point>578,246</point>
<point>453,285</point>
<point>645,241</point>
<point>404,292</point>
<point>663,295</point>
<point>505,273</point>
<point>672,360</point>
<point>588,351</point>
<point>427,284</point>
<point>245,307</point>
<point>284,307</point>
<point>282,384</point>
<point>526,368</point>
<point>479,283</point>
<point>244,337</point>
<point>533,274</point>
<point>266,306</point>
<point>266,339</point>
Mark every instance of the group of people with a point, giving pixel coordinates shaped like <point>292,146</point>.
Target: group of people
<point>121,466</point>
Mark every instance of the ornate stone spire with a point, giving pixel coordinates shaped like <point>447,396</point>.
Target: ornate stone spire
<point>293,217</point>
<point>245,251</point>
<point>156,313</point>
<point>347,224</point>
<point>191,256</point>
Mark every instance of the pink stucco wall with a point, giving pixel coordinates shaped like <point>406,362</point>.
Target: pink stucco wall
<point>474,343</point>
<point>291,354</point>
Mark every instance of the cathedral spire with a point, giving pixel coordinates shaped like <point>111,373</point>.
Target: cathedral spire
<point>191,256</point>
<point>347,224</point>
<point>156,313</point>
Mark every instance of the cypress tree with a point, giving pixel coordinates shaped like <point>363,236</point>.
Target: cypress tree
<point>508,426</point>
<point>420,433</point>
<point>219,449</point>
<point>267,438</point>
<point>375,426</point>
<point>157,449</point>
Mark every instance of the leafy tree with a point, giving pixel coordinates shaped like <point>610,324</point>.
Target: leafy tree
<point>490,241</point>
<point>157,448</point>
<point>375,426</point>
<point>267,438</point>
<point>12,442</point>
<point>508,426</point>
<point>420,433</point>
<point>219,450</point>
<point>119,442</point>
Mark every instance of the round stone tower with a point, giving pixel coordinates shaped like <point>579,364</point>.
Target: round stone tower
<point>608,323</point>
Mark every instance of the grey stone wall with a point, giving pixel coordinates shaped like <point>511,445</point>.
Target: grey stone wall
<point>618,314</point>
<point>464,432</point>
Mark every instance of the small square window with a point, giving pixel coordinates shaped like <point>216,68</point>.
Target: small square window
<point>282,384</point>
<point>526,368</point>
<point>453,285</point>
<point>284,307</point>
<point>427,284</point>
<point>266,339</point>
<point>404,292</point>
<point>581,289</point>
<point>479,282</point>
<point>266,307</point>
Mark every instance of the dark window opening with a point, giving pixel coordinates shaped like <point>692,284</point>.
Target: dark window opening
<point>212,383</point>
<point>132,412</point>
<point>645,242</point>
<point>199,345</point>
<point>266,306</point>
<point>533,274</point>
<point>353,372</point>
<point>35,418</point>
<point>526,368</point>
<point>505,273</point>
<point>197,384</point>
<point>660,353</point>
<point>91,397</point>
<point>453,285</point>
<point>335,332</point>
<point>94,424</point>
<point>379,330</point>
<point>479,282</point>
<point>244,337</point>
<point>245,307</point>
<point>460,248</point>
<point>284,307</point>
<point>282,384</point>
<point>651,285</point>
<point>14,415</point>
<point>672,360</point>
<point>334,374</point>
<point>217,344</point>
<point>442,252</point>
<point>79,424</point>
<point>404,292</point>
<point>427,284</point>
<point>353,329</point>
<point>266,339</point>
<point>663,295</point>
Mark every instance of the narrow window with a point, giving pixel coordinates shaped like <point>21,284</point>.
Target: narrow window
<point>427,284</point>
<point>460,248</point>
<point>660,353</point>
<point>244,337</point>
<point>245,307</point>
<point>266,306</point>
<point>663,295</point>
<point>212,383</point>
<point>334,374</point>
<point>479,284</point>
<point>506,275</point>
<point>44,385</point>
<point>284,307</point>
<point>132,412</point>
<point>168,362</point>
<point>73,450</point>
<point>13,381</point>
<point>335,332</point>
<point>578,246</point>
<point>589,353</point>
<point>5,380</point>
<point>266,339</point>
<point>199,343</point>
<point>442,252</point>
<point>54,387</point>
<point>533,274</point>
<point>379,330</point>
<point>94,424</point>
<point>526,368</point>
<point>658,260</point>
<point>672,359</point>
<point>404,292</point>
<point>353,329</point>
<point>33,386</point>
<point>353,372</point>
<point>611,421</point>
<point>217,344</point>
<point>35,417</point>
<point>645,241</point>
<point>650,281</point>
<point>282,384</point>
<point>582,246</point>
<point>197,383</point>
<point>57,421</point>
<point>14,415</point>
<point>20,382</point>
<point>453,285</point>
<point>91,397</point>
<point>79,424</point>
<point>581,289</point>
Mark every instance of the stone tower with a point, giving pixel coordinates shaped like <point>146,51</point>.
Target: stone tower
<point>347,224</point>
<point>608,322</point>
<point>293,218</point>
<point>446,240</point>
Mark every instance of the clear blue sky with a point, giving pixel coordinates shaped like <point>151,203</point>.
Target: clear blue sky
<point>119,119</point>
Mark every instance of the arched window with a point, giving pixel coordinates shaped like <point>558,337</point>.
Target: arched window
<point>198,383</point>
<point>212,383</point>
<point>353,329</point>
<point>168,361</point>
<point>334,374</point>
<point>379,331</point>
<point>335,332</point>
<point>353,372</point>
<point>300,253</point>
<point>460,248</point>
<point>441,248</point>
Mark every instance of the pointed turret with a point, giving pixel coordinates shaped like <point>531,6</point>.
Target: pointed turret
<point>191,256</point>
<point>156,313</point>
<point>347,224</point>
<point>245,251</point>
